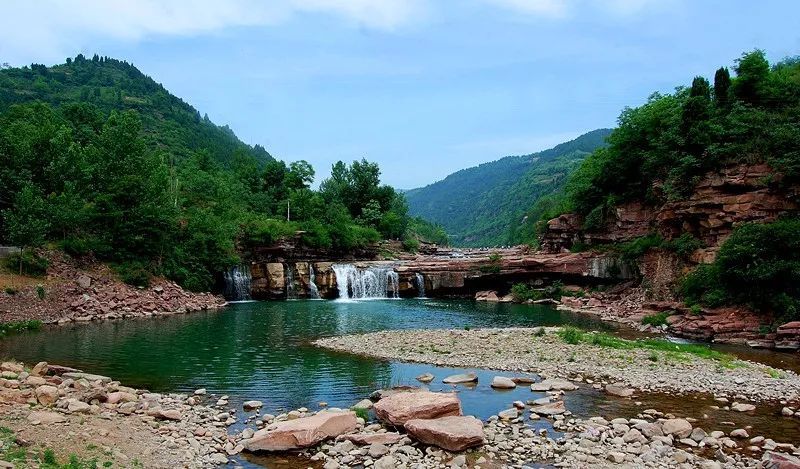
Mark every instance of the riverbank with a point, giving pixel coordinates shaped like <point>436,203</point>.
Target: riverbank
<point>543,351</point>
<point>72,291</point>
<point>54,413</point>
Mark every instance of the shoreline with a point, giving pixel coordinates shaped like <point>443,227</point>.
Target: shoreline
<point>522,350</point>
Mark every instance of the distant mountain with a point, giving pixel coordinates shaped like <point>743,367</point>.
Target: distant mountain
<point>170,124</point>
<point>478,206</point>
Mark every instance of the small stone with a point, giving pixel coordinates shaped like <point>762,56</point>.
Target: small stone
<point>502,382</point>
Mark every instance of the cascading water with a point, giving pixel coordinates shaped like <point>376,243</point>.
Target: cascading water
<point>237,283</point>
<point>312,283</point>
<point>372,282</point>
<point>420,281</point>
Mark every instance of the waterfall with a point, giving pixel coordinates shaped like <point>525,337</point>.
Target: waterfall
<point>420,281</point>
<point>237,283</point>
<point>291,290</point>
<point>312,282</point>
<point>372,282</point>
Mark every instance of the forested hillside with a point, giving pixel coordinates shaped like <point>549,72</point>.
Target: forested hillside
<point>484,205</point>
<point>99,160</point>
<point>169,124</point>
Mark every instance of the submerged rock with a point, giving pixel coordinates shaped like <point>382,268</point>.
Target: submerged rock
<point>555,408</point>
<point>400,408</point>
<point>425,378</point>
<point>554,385</point>
<point>450,433</point>
<point>461,378</point>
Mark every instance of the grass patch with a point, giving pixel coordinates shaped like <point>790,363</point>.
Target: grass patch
<point>20,326</point>
<point>362,413</point>
<point>574,336</point>
<point>658,319</point>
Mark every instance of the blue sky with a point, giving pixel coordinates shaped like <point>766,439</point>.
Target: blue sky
<point>424,87</point>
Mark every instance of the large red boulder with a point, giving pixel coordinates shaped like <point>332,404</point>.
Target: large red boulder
<point>303,432</point>
<point>399,408</point>
<point>450,433</point>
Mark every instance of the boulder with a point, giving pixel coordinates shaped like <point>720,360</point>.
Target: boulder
<point>402,407</point>
<point>742,407</point>
<point>252,405</point>
<point>162,414</point>
<point>555,408</point>
<point>47,395</point>
<point>425,378</point>
<point>450,433</point>
<point>501,382</point>
<point>461,378</point>
<point>12,367</point>
<point>40,369</point>
<point>777,460</point>
<point>620,391</point>
<point>554,385</point>
<point>302,432</point>
<point>45,418</point>
<point>87,376</point>
<point>120,396</point>
<point>681,428</point>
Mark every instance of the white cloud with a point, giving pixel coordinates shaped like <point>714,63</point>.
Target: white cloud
<point>48,29</point>
<point>560,9</point>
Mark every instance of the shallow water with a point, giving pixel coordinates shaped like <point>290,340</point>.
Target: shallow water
<point>261,350</point>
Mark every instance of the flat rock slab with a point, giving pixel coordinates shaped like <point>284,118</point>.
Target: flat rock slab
<point>303,432</point>
<point>554,385</point>
<point>45,418</point>
<point>87,376</point>
<point>555,408</point>
<point>450,433</point>
<point>400,408</point>
<point>501,382</point>
<point>620,391</point>
<point>461,378</point>
<point>388,438</point>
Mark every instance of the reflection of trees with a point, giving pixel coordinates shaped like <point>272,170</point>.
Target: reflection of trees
<point>261,349</point>
<point>256,347</point>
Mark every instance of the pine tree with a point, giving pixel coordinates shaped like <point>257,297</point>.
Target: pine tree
<point>722,85</point>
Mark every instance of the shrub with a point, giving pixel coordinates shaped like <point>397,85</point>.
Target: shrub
<point>10,290</point>
<point>40,292</point>
<point>27,262</point>
<point>411,244</point>
<point>20,326</point>
<point>631,251</point>
<point>571,335</point>
<point>362,413</point>
<point>133,273</point>
<point>758,265</point>
<point>522,293</point>
<point>684,245</point>
<point>540,332</point>
<point>658,319</point>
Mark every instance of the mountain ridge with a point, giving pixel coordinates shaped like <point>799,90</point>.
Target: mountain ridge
<point>478,205</point>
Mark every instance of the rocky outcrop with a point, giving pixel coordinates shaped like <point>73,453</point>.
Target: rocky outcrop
<point>718,203</point>
<point>73,292</point>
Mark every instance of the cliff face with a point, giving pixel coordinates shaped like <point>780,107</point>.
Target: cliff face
<point>444,275</point>
<point>719,202</point>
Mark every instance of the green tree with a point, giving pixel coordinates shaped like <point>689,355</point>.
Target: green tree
<point>722,85</point>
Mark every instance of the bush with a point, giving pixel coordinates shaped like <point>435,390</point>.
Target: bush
<point>20,326</point>
<point>27,262</point>
<point>571,335</point>
<point>40,292</point>
<point>411,244</point>
<point>684,245</point>
<point>133,273</point>
<point>631,251</point>
<point>758,265</point>
<point>522,293</point>
<point>10,290</point>
<point>658,319</point>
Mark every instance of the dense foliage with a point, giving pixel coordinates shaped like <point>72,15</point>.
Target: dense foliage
<point>169,124</point>
<point>758,265</point>
<point>486,205</point>
<point>661,149</point>
<point>125,188</point>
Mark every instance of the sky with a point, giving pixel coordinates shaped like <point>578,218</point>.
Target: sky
<point>423,87</point>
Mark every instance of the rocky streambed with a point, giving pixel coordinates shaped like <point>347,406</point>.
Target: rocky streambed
<point>543,351</point>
